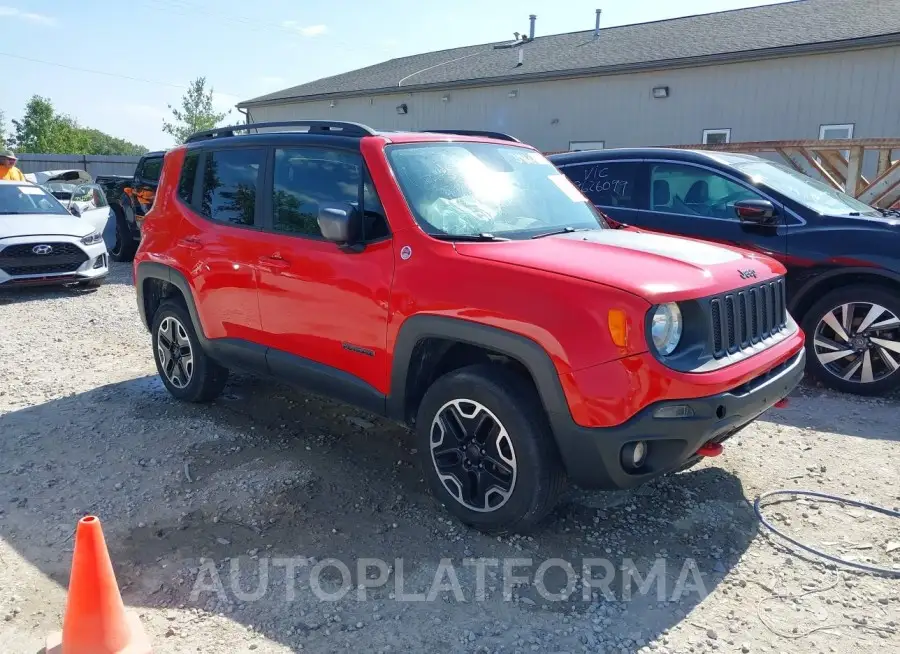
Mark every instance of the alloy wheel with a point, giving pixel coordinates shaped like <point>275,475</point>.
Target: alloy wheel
<point>859,342</point>
<point>473,455</point>
<point>176,357</point>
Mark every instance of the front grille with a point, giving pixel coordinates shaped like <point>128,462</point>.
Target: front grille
<point>743,318</point>
<point>21,259</point>
<point>27,250</point>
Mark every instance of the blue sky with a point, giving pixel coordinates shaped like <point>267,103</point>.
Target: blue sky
<point>246,49</point>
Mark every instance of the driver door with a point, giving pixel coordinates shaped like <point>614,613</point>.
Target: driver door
<point>92,206</point>
<point>695,201</point>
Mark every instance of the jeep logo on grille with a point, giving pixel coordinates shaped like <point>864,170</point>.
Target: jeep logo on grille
<point>747,274</point>
<point>42,249</point>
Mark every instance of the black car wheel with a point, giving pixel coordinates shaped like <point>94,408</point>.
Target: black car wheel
<point>124,247</point>
<point>185,369</point>
<point>853,340</point>
<point>487,450</point>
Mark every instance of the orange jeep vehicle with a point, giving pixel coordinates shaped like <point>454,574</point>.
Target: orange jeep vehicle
<point>461,285</point>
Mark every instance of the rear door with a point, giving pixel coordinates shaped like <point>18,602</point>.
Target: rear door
<point>692,200</point>
<point>613,186</point>
<point>221,243</point>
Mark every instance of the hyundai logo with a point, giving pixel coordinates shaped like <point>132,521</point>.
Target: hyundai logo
<point>42,249</point>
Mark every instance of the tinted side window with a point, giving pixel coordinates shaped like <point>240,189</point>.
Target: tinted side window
<point>304,178</point>
<point>151,169</point>
<point>606,183</point>
<point>693,191</point>
<point>230,184</point>
<point>188,174</point>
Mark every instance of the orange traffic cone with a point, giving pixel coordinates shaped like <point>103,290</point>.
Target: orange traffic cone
<point>95,621</point>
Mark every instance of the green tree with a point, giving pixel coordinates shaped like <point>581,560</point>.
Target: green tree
<point>39,130</point>
<point>196,113</point>
<point>42,130</point>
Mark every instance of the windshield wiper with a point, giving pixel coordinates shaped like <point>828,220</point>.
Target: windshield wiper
<point>564,230</point>
<point>483,237</point>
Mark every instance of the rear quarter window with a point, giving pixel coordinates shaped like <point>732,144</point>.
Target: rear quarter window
<point>151,169</point>
<point>187,177</point>
<point>606,183</point>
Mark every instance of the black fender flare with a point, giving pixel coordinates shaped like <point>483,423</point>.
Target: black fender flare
<point>802,294</point>
<point>153,270</point>
<point>525,350</point>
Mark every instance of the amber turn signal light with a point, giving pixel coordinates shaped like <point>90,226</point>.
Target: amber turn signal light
<point>618,327</point>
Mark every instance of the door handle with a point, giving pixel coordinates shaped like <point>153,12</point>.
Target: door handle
<point>191,243</point>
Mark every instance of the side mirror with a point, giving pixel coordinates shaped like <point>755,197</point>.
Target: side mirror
<point>339,223</point>
<point>74,210</point>
<point>759,212</point>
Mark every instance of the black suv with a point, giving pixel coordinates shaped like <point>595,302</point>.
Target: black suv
<point>842,256</point>
<point>131,199</point>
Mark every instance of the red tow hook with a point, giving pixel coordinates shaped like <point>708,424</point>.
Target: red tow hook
<point>782,403</point>
<point>711,449</point>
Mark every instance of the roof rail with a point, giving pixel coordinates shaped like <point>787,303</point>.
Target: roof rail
<point>475,132</point>
<point>336,127</point>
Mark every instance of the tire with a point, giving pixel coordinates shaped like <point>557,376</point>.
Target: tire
<point>124,247</point>
<point>499,402</point>
<point>850,372</point>
<point>199,379</point>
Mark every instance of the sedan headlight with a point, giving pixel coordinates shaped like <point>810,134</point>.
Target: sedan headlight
<point>665,328</point>
<point>92,238</point>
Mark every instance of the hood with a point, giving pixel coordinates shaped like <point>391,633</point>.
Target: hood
<point>655,267</point>
<point>41,224</point>
<point>75,176</point>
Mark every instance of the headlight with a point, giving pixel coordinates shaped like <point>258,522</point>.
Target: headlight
<point>665,328</point>
<point>92,239</point>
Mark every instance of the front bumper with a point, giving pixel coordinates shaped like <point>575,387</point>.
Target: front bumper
<point>79,263</point>
<point>593,456</point>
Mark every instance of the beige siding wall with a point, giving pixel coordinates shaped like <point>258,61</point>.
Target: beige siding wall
<point>775,99</point>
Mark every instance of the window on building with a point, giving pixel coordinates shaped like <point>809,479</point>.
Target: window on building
<point>716,136</point>
<point>305,178</point>
<point>188,173</point>
<point>578,146</point>
<point>832,132</point>
<point>230,185</point>
<point>692,191</point>
<point>836,132</point>
<point>606,183</point>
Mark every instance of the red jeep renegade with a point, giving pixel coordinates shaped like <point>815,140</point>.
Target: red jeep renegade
<point>461,285</point>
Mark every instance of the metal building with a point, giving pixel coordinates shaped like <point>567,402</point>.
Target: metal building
<point>808,69</point>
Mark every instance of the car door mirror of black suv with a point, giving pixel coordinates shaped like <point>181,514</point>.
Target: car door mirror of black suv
<point>339,223</point>
<point>758,212</point>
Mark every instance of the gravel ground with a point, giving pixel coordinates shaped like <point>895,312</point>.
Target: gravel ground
<point>203,505</point>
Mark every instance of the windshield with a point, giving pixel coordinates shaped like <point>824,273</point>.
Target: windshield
<point>811,193</point>
<point>26,198</point>
<point>467,189</point>
<point>61,191</point>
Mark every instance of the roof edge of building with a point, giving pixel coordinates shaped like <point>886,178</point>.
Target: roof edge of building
<point>646,66</point>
